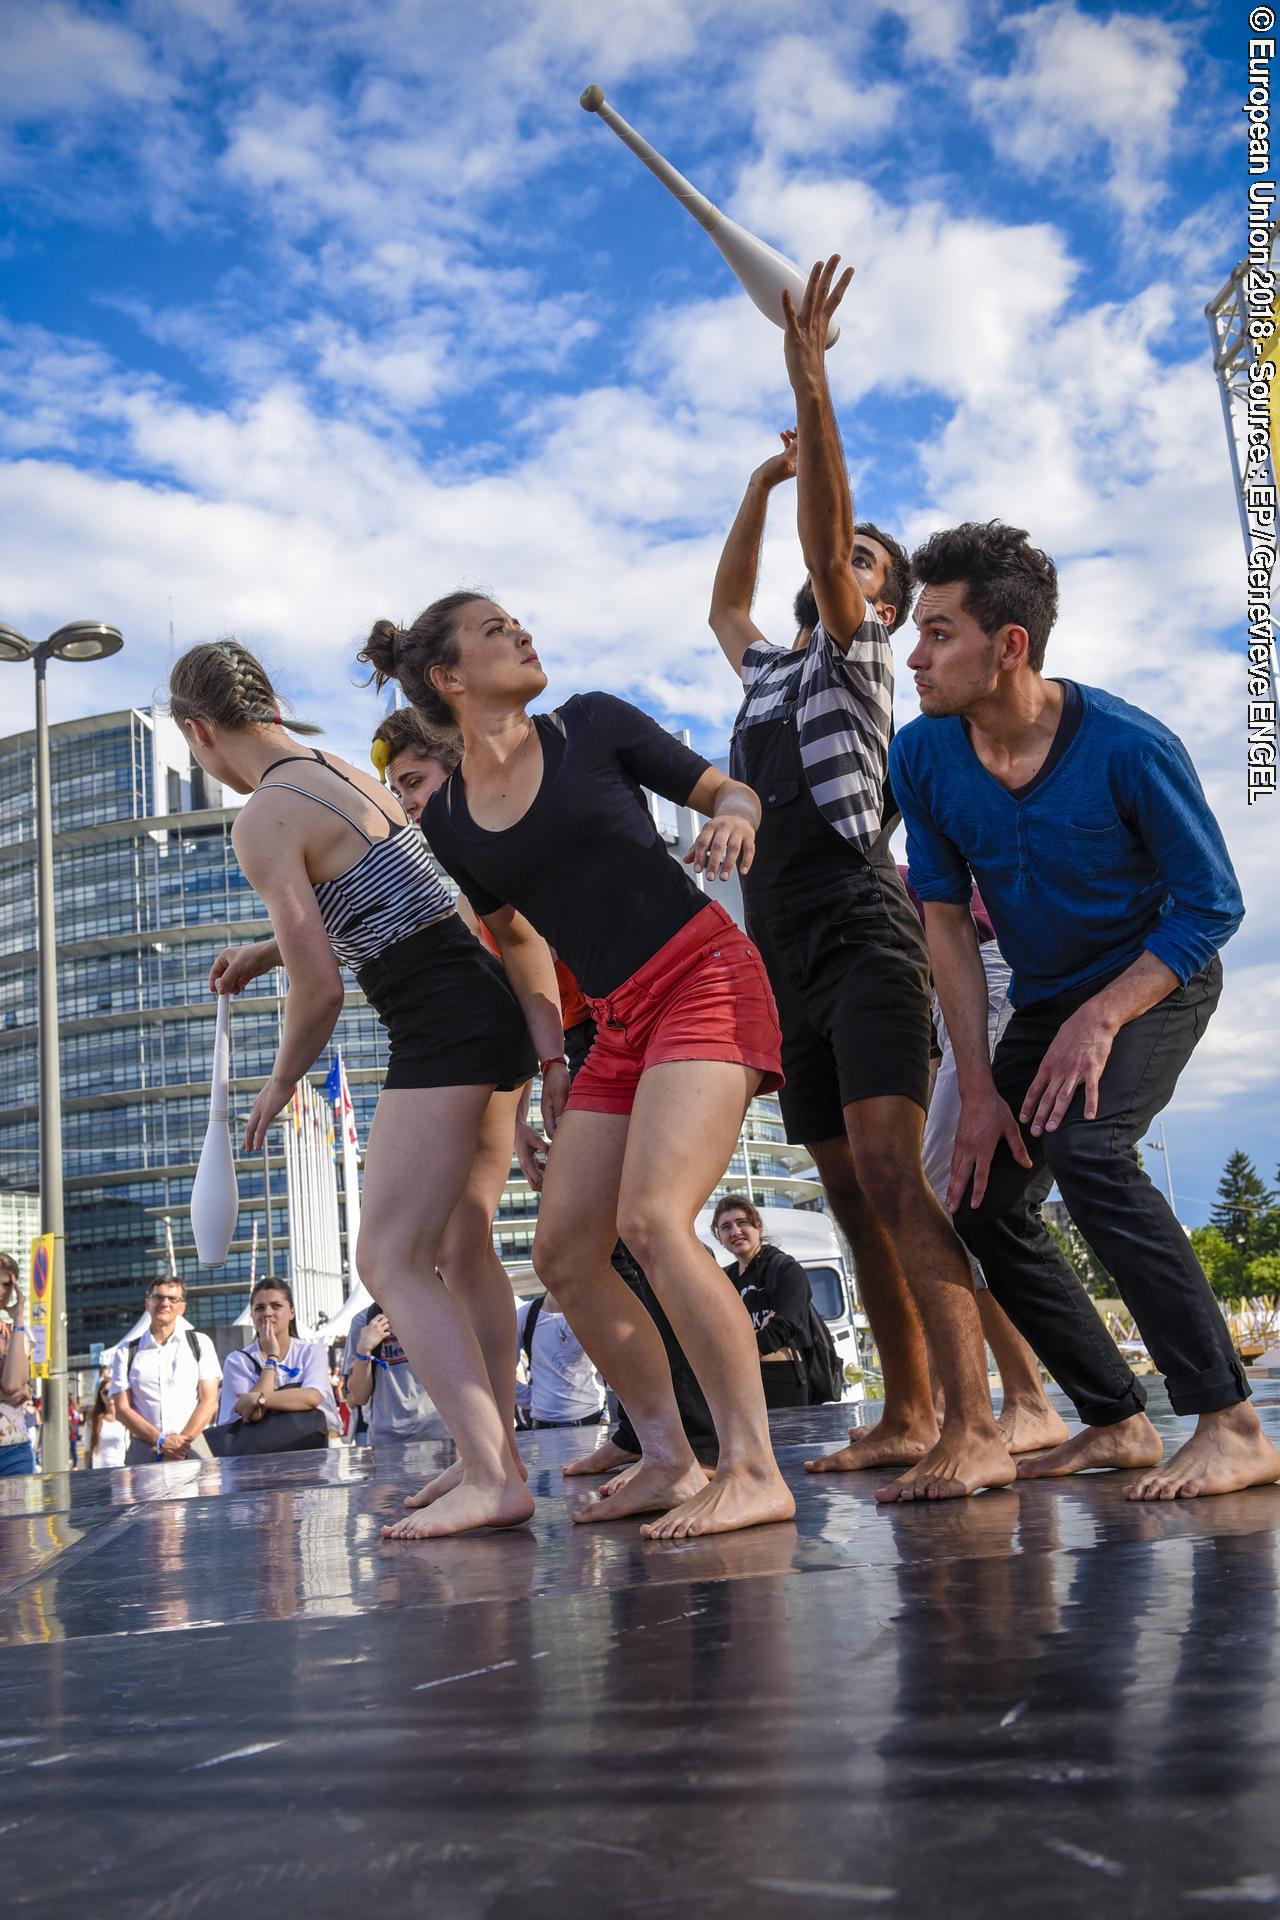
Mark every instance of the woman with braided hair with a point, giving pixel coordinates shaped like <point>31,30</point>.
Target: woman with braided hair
<point>347,880</point>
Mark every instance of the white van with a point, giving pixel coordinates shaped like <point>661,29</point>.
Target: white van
<point>811,1239</point>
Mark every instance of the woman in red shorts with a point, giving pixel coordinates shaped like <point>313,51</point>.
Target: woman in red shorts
<point>546,818</point>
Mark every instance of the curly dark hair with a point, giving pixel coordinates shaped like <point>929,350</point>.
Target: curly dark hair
<point>1007,581</point>
<point>899,581</point>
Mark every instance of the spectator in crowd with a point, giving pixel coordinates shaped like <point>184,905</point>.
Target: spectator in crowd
<point>108,1440</point>
<point>280,1372</point>
<point>775,1291</point>
<point>564,1388</point>
<point>17,1456</point>
<point>165,1384</point>
<point>75,1421</point>
<point>379,1378</point>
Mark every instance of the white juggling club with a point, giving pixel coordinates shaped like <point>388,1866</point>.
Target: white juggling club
<point>215,1198</point>
<point>762,270</point>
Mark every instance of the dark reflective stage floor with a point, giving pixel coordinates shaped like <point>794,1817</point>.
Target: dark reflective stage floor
<point>224,1694</point>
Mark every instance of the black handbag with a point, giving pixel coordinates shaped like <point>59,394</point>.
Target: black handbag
<point>293,1432</point>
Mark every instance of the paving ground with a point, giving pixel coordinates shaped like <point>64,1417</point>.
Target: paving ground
<point>224,1694</point>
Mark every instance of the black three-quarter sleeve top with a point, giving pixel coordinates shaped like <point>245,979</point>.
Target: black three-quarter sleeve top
<point>586,864</point>
<point>775,1291</point>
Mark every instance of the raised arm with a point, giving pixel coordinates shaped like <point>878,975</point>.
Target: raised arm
<point>824,504</point>
<point>274,866</point>
<point>735,581</point>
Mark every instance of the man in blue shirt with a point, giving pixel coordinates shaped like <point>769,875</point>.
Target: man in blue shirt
<point>1110,889</point>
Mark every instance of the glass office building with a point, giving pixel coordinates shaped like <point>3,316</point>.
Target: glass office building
<point>147,890</point>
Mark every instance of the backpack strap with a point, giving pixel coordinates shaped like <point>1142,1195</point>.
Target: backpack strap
<point>133,1354</point>
<point>193,1341</point>
<point>531,1321</point>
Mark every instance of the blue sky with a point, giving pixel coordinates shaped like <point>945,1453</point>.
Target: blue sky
<point>312,313</point>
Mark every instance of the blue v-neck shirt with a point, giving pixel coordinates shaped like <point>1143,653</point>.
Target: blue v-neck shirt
<point>1113,852</point>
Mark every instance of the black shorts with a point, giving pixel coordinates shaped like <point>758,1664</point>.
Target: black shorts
<point>850,973</point>
<point>451,1017</point>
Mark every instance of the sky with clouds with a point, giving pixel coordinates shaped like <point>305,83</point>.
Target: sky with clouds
<point>313,313</point>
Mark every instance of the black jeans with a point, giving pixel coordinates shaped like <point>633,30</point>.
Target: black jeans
<point>1124,1218</point>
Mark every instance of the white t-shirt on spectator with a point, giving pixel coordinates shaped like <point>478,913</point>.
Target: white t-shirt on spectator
<point>564,1384</point>
<point>164,1380</point>
<point>306,1364</point>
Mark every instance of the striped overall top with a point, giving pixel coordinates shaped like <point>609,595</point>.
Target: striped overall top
<point>392,891</point>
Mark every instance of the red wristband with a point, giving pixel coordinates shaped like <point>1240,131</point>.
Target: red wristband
<point>552,1060</point>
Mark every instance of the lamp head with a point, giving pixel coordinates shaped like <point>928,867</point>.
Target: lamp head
<point>85,640</point>
<point>14,645</point>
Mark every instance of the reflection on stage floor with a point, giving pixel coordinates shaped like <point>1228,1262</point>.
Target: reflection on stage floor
<point>224,1693</point>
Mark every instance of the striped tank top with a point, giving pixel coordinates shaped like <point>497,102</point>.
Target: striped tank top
<point>392,891</point>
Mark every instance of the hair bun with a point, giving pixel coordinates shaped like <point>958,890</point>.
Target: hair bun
<point>381,648</point>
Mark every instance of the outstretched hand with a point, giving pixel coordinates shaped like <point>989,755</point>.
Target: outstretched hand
<point>779,466</point>
<point>805,331</point>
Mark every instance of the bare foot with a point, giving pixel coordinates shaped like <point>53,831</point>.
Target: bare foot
<point>1031,1426</point>
<point>464,1508</point>
<point>446,1482</point>
<point>731,1501</point>
<point>1226,1453</point>
<point>1130,1443</point>
<point>621,1480</point>
<point>606,1458</point>
<point>648,1489</point>
<point>878,1446</point>
<point>962,1463</point>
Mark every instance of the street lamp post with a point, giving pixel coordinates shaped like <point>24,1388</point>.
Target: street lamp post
<point>1158,1146</point>
<point>82,640</point>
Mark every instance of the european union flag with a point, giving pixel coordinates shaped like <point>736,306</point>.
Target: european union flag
<point>333,1085</point>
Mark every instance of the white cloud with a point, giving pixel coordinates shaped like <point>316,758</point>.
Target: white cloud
<point>61,61</point>
<point>1079,84</point>
<point>804,103</point>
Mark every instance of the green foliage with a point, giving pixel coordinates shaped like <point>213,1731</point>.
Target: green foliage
<point>1262,1276</point>
<point>1223,1263</point>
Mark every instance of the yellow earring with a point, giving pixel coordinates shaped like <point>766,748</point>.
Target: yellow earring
<point>380,754</point>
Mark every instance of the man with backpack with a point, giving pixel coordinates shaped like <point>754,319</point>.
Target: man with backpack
<point>798,1361</point>
<point>564,1388</point>
<point>165,1383</point>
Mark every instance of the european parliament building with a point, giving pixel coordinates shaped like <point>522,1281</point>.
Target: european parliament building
<point>147,891</point>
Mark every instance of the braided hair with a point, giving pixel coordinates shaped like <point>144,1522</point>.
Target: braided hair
<point>224,683</point>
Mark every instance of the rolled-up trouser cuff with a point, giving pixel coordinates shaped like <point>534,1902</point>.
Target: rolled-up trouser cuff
<point>1132,1401</point>
<point>1210,1392</point>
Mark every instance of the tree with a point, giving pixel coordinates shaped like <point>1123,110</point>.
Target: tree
<point>1242,1204</point>
<point>1223,1262</point>
<point>1262,1276</point>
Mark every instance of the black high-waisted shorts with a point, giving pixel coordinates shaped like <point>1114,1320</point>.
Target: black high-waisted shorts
<point>451,1017</point>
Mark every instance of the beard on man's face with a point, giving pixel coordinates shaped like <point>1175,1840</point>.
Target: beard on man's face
<point>805,608</point>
